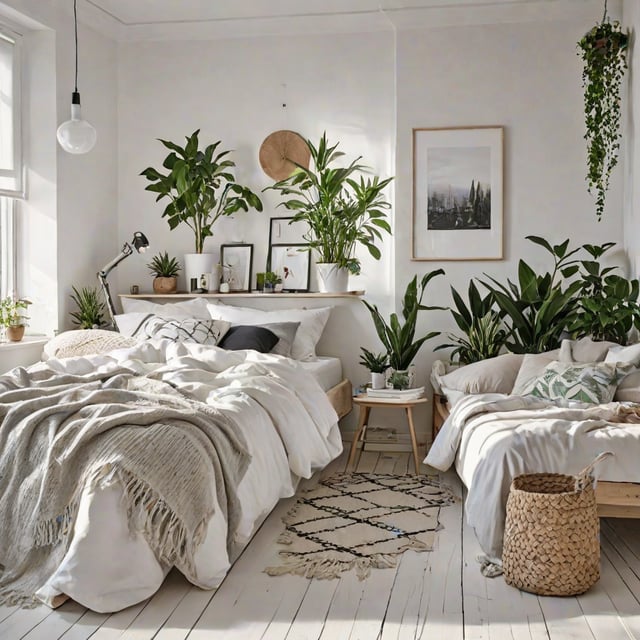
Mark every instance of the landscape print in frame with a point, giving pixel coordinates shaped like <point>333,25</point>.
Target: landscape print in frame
<point>457,194</point>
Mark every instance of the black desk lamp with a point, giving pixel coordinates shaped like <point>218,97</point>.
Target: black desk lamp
<point>140,244</point>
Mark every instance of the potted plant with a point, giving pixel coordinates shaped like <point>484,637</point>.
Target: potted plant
<point>397,337</point>
<point>202,188</point>
<point>481,324</point>
<point>90,308</point>
<point>271,281</point>
<point>12,317</point>
<point>341,208</point>
<point>603,51</point>
<point>377,364</point>
<point>165,270</point>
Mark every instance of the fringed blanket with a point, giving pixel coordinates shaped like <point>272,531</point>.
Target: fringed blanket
<point>173,456</point>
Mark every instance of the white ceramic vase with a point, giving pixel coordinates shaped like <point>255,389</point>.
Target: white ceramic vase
<point>195,264</point>
<point>332,278</point>
<point>378,380</point>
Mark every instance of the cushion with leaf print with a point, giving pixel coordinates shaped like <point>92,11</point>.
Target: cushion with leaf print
<point>593,382</point>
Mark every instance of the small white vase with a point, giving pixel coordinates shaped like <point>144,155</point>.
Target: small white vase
<point>378,380</point>
<point>195,264</point>
<point>332,278</point>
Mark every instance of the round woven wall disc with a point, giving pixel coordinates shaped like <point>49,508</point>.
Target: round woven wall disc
<point>279,149</point>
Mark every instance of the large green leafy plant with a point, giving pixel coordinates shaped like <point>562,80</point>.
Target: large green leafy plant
<point>398,337</point>
<point>341,207</point>
<point>201,187</point>
<point>603,52</point>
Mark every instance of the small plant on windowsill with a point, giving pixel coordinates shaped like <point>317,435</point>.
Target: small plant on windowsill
<point>12,317</point>
<point>90,313</point>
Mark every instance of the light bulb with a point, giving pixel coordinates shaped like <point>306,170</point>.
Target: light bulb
<point>76,135</point>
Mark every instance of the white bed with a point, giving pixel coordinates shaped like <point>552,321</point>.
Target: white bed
<point>107,567</point>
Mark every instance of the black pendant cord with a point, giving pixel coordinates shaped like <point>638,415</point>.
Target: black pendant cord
<point>75,23</point>
<point>604,16</point>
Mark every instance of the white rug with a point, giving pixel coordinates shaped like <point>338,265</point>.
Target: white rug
<point>360,521</point>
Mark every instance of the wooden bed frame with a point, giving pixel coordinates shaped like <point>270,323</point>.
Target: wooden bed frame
<point>340,398</point>
<point>614,499</point>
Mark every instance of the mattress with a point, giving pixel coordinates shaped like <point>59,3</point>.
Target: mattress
<point>326,370</point>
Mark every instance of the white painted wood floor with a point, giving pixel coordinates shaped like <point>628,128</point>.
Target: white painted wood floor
<point>437,596</point>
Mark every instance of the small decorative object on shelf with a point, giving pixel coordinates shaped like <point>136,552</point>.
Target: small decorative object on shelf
<point>166,270</point>
<point>224,287</point>
<point>377,364</point>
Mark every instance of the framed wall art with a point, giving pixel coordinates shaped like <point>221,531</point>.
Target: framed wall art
<point>292,262</point>
<point>284,231</point>
<point>237,262</point>
<point>457,194</point>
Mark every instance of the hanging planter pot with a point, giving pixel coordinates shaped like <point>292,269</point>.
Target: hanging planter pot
<point>603,52</point>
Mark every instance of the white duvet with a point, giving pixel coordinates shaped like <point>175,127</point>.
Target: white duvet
<point>491,438</point>
<point>290,429</point>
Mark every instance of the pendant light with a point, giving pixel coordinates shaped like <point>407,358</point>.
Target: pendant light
<point>76,135</point>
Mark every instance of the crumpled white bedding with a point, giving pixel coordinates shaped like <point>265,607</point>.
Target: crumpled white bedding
<point>291,431</point>
<point>491,438</point>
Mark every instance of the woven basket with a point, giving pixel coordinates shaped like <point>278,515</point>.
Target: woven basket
<point>551,539</point>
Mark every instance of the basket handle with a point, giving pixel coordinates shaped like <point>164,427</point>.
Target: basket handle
<point>584,476</point>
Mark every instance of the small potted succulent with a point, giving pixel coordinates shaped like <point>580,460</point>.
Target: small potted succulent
<point>166,270</point>
<point>90,308</point>
<point>272,282</point>
<point>377,364</point>
<point>12,317</point>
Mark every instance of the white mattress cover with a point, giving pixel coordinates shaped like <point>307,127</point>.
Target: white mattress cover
<point>326,370</point>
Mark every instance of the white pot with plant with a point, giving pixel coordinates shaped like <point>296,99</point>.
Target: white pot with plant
<point>377,364</point>
<point>398,337</point>
<point>342,209</point>
<point>201,188</point>
<point>12,317</point>
<point>166,270</point>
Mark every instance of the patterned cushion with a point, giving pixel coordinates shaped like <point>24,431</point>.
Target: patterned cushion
<point>593,382</point>
<point>190,330</point>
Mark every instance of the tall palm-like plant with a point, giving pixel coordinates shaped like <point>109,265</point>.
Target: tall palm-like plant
<point>341,207</point>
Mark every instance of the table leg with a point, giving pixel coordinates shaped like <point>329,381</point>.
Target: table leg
<point>362,423</point>
<point>414,443</point>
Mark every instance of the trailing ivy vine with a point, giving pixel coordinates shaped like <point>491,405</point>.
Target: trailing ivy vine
<point>603,51</point>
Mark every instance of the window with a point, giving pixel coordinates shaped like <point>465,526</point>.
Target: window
<point>11,165</point>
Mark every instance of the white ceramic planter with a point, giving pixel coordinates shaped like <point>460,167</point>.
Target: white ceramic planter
<point>378,380</point>
<point>195,264</point>
<point>331,278</point>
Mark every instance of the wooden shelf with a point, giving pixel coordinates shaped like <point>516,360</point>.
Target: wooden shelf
<point>252,294</point>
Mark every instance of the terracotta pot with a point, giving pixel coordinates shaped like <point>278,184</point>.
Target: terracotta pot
<point>165,285</point>
<point>15,333</point>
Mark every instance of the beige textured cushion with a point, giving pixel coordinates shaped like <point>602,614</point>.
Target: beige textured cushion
<point>533,365</point>
<point>587,350</point>
<point>85,342</point>
<point>629,388</point>
<point>630,354</point>
<point>494,375</point>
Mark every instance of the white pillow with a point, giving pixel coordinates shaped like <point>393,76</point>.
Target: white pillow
<point>189,330</point>
<point>629,388</point>
<point>129,324</point>
<point>312,324</point>
<point>630,354</point>
<point>84,342</point>
<point>533,365</point>
<point>192,308</point>
<point>586,350</point>
<point>493,375</point>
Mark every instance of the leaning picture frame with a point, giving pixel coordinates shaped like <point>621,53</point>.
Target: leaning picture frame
<point>237,263</point>
<point>292,262</point>
<point>457,194</point>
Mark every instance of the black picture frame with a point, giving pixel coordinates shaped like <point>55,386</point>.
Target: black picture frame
<point>297,258</point>
<point>237,266</point>
<point>282,231</point>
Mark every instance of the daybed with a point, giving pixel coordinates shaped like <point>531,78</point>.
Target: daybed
<point>552,412</point>
<point>157,453</point>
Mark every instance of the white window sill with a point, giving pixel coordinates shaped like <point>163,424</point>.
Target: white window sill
<point>25,343</point>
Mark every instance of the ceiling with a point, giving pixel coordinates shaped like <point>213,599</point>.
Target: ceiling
<point>193,19</point>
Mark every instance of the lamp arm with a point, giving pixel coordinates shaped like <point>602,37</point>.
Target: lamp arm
<point>104,285</point>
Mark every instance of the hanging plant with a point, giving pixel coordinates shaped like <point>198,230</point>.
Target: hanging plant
<point>603,52</point>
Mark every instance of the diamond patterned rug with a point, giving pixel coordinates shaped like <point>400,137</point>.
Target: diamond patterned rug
<point>360,521</point>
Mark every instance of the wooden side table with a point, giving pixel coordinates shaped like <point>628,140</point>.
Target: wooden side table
<point>366,404</point>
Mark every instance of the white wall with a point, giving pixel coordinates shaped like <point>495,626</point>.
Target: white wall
<point>69,221</point>
<point>233,90</point>
<point>526,78</point>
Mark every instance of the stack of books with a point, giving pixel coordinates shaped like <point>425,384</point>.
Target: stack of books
<point>395,394</point>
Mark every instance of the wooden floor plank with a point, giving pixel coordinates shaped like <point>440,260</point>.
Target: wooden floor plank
<point>86,626</point>
<point>386,462</point>
<point>185,615</point>
<point>58,622</point>
<point>117,623</point>
<point>312,614</point>
<point>367,462</point>
<point>564,619</point>
<point>401,466</point>
<point>22,621</point>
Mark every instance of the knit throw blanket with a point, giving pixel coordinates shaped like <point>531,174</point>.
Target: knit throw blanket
<point>59,433</point>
